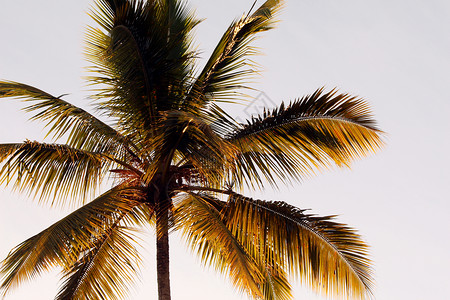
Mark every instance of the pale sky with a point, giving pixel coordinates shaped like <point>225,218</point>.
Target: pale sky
<point>395,54</point>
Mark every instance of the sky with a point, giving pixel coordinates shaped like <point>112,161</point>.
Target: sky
<point>395,54</point>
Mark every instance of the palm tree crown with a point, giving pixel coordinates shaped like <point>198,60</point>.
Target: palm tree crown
<point>178,162</point>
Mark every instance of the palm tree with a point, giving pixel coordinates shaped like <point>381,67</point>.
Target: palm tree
<point>180,162</point>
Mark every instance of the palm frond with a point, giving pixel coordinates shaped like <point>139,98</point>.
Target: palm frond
<point>62,243</point>
<point>195,142</point>
<point>8,149</point>
<point>229,67</point>
<point>52,171</point>
<point>311,133</point>
<point>328,256</point>
<point>104,271</point>
<point>273,282</point>
<point>141,59</point>
<point>83,130</point>
<point>276,285</point>
<point>206,234</point>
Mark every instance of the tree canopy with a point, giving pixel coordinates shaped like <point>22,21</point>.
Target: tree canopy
<point>180,162</point>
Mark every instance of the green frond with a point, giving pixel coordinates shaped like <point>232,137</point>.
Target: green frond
<point>229,66</point>
<point>104,271</point>
<point>83,130</point>
<point>187,140</point>
<point>142,59</point>
<point>272,282</point>
<point>62,243</point>
<point>196,143</point>
<point>328,256</point>
<point>206,234</point>
<point>311,133</point>
<point>52,171</point>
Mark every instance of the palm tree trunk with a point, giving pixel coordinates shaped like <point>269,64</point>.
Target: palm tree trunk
<point>162,250</point>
